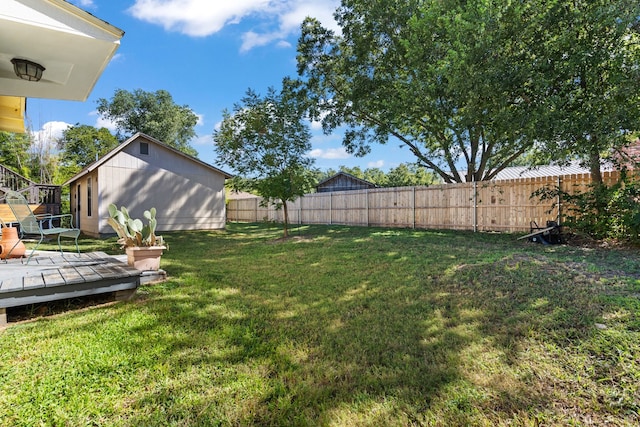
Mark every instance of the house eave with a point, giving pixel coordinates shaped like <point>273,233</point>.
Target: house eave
<point>72,45</point>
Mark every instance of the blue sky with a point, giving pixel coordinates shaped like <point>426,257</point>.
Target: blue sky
<point>206,53</point>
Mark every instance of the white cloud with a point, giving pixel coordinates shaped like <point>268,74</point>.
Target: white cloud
<point>330,153</point>
<point>284,44</point>
<point>203,140</point>
<point>316,125</point>
<point>275,19</point>
<point>84,3</point>
<point>102,122</point>
<point>376,164</point>
<point>50,133</point>
<point>117,58</point>
<point>251,39</point>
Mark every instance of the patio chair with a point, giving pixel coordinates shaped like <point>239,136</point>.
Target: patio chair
<point>41,226</point>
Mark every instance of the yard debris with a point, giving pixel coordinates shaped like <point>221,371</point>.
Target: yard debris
<point>549,235</point>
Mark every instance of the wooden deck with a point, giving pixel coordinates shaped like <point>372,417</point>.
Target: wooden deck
<point>53,276</point>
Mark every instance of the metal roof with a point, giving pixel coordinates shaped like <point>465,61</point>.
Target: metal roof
<point>519,172</point>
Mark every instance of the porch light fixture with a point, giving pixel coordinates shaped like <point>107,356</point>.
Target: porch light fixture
<point>27,70</point>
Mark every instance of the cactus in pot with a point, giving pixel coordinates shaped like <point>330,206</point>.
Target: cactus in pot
<point>143,247</point>
<point>133,232</point>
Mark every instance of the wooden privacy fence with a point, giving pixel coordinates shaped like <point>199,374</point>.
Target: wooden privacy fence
<point>483,206</point>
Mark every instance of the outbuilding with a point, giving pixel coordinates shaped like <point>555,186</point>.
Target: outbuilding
<point>141,173</point>
<point>343,181</point>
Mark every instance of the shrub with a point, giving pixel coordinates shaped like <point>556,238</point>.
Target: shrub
<point>603,212</point>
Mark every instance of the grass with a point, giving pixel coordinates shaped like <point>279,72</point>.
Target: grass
<point>342,326</point>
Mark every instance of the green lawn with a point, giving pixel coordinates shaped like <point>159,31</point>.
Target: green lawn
<point>342,326</point>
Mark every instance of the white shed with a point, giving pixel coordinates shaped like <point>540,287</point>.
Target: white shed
<point>141,173</point>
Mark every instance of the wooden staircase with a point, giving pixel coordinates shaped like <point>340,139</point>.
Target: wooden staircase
<point>43,198</point>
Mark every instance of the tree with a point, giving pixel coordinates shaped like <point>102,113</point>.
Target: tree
<point>153,113</point>
<point>450,80</point>
<point>14,152</point>
<point>587,79</point>
<point>469,86</point>
<point>410,174</point>
<point>266,139</point>
<point>84,144</point>
<point>376,176</point>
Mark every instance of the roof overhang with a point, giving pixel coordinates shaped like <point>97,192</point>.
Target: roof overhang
<point>12,114</point>
<point>72,45</point>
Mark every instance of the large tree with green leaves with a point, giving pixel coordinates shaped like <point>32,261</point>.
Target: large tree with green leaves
<point>81,145</point>
<point>266,139</point>
<point>469,86</point>
<point>153,113</point>
<point>448,79</point>
<point>587,72</point>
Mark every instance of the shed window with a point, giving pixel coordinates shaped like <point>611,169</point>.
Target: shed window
<point>144,148</point>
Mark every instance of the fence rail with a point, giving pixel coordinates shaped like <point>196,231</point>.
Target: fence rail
<point>506,206</point>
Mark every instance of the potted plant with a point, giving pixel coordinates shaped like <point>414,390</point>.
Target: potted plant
<point>141,244</point>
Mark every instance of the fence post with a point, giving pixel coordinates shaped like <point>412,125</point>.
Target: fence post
<point>256,211</point>
<point>330,207</point>
<point>414,208</point>
<point>475,205</point>
<point>366,195</point>
<point>559,200</point>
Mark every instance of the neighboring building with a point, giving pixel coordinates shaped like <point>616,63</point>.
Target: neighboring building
<point>343,181</point>
<point>630,157</point>
<point>141,173</point>
<point>519,172</point>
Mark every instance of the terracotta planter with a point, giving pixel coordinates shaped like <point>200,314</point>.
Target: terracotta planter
<point>9,239</point>
<point>144,258</point>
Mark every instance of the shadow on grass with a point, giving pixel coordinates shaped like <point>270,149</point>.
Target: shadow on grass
<point>384,347</point>
<point>353,326</point>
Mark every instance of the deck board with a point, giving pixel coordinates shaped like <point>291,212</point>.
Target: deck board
<point>33,280</point>
<point>50,276</point>
<point>106,271</point>
<point>71,275</point>
<point>53,277</point>
<point>88,273</point>
<point>11,284</point>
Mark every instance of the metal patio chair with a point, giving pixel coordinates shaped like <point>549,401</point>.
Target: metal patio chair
<point>41,226</point>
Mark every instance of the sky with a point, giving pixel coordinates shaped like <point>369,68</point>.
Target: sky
<point>206,54</point>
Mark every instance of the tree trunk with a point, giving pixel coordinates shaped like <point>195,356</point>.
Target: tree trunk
<point>286,219</point>
<point>594,166</point>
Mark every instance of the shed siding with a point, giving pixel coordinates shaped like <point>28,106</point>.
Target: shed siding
<point>186,194</point>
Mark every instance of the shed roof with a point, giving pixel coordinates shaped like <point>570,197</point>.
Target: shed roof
<point>348,175</point>
<point>95,165</point>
